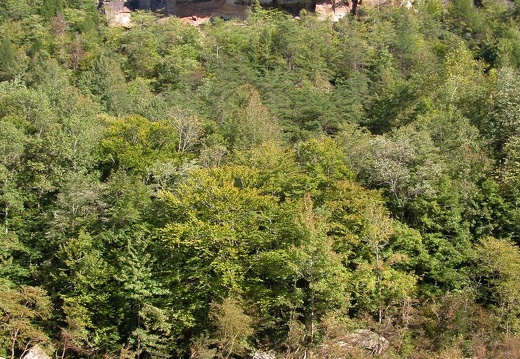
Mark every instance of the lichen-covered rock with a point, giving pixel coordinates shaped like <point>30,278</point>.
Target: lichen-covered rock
<point>36,352</point>
<point>116,13</point>
<point>345,345</point>
<point>263,355</point>
<point>367,339</point>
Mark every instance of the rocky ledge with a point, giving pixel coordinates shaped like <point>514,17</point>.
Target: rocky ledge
<point>118,12</point>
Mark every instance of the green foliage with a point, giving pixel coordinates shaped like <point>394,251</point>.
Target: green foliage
<point>374,249</point>
<point>23,310</point>
<point>322,161</point>
<point>497,278</point>
<point>273,183</point>
<point>51,8</point>
<point>106,82</point>
<point>254,124</point>
<point>7,55</point>
<point>502,124</point>
<point>320,268</point>
<point>83,278</point>
<point>19,9</point>
<point>134,144</point>
<point>234,327</point>
<point>279,174</point>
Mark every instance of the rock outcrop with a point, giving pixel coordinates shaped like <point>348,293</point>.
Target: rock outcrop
<point>263,355</point>
<point>367,339</point>
<point>197,11</point>
<point>200,11</point>
<point>359,340</point>
<point>116,12</point>
<point>36,352</point>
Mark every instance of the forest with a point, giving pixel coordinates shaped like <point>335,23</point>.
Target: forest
<point>274,184</point>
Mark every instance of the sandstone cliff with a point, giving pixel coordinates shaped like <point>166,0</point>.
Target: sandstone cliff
<point>199,11</point>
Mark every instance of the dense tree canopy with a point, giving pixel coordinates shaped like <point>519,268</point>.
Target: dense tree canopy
<point>171,191</point>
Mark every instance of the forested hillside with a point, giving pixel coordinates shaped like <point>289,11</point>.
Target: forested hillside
<point>168,191</point>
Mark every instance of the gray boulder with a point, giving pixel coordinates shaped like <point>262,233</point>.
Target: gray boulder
<point>36,352</point>
<point>359,340</point>
<point>367,339</point>
<point>263,355</point>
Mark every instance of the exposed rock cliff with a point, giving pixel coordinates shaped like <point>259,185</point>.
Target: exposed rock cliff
<point>116,13</point>
<point>198,11</point>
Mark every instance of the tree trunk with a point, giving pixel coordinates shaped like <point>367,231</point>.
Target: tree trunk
<point>354,6</point>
